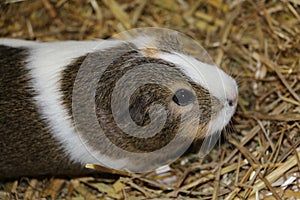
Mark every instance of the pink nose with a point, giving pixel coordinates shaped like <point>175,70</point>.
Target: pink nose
<point>232,102</point>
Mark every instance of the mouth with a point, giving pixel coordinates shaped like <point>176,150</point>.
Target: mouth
<point>221,119</point>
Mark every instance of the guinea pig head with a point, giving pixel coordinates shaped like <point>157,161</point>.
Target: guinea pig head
<point>150,102</point>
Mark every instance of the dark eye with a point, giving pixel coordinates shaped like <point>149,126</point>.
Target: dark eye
<point>183,97</point>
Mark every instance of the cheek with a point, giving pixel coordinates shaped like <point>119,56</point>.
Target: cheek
<point>191,117</point>
<point>199,112</point>
<point>191,124</point>
<point>179,110</point>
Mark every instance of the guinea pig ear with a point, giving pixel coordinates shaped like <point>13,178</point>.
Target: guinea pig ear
<point>170,42</point>
<point>105,54</point>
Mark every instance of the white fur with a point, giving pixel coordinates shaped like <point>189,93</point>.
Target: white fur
<point>16,42</point>
<point>216,81</point>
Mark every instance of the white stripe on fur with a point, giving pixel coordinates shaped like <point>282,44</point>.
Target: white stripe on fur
<point>212,78</point>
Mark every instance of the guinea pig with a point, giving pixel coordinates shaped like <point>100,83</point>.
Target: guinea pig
<point>132,104</point>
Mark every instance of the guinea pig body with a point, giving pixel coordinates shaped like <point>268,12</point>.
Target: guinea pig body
<point>28,144</point>
<point>38,128</point>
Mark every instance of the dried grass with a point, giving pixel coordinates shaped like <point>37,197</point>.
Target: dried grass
<point>256,41</point>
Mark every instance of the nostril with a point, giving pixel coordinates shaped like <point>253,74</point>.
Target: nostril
<point>232,102</point>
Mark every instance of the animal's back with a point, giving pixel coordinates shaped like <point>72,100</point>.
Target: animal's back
<point>25,136</point>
